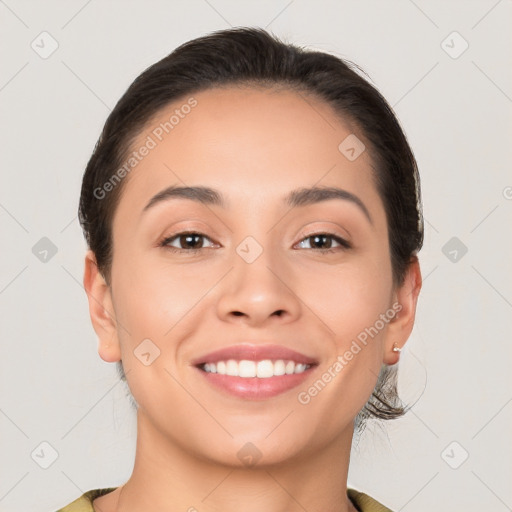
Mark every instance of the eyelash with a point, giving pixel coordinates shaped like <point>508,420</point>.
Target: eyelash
<point>343,243</point>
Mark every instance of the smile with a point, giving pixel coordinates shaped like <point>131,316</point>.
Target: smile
<point>264,369</point>
<point>254,371</point>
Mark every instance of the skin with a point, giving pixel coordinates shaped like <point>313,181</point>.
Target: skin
<point>253,146</point>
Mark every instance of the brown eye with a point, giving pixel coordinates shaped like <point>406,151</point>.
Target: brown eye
<point>324,242</point>
<point>188,242</point>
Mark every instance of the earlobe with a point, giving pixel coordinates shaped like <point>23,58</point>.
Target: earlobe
<point>400,328</point>
<point>101,310</point>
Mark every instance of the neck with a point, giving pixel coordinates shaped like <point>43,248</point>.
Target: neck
<point>166,477</point>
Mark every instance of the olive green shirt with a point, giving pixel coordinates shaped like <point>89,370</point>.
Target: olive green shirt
<point>361,501</point>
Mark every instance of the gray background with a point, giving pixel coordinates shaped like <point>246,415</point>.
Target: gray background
<point>456,111</point>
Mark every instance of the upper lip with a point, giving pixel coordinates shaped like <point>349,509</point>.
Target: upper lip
<point>251,352</point>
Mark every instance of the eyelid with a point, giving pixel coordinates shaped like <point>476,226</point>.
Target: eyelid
<point>335,233</point>
<point>187,226</point>
<point>167,239</point>
<point>333,225</point>
<point>341,240</point>
<point>334,230</point>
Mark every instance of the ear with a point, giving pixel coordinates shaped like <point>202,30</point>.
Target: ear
<point>101,310</point>
<point>400,327</point>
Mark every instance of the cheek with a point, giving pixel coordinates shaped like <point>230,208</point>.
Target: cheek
<point>349,299</point>
<point>354,303</point>
<point>157,298</point>
<point>155,307</point>
<point>350,304</point>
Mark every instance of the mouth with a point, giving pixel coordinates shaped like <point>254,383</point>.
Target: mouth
<point>264,369</point>
<point>255,372</point>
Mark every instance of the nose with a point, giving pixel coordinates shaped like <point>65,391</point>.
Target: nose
<point>258,293</point>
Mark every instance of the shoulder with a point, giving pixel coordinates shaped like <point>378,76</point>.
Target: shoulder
<point>365,503</point>
<point>362,501</point>
<point>84,502</point>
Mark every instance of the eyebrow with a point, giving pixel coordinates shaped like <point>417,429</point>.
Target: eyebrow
<point>295,198</point>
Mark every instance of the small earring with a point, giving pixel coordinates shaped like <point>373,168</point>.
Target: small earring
<point>396,348</point>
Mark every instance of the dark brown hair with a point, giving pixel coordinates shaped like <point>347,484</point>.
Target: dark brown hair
<point>253,57</point>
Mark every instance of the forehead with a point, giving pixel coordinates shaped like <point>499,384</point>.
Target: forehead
<point>253,144</point>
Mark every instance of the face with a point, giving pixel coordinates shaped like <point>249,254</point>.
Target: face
<point>255,274</point>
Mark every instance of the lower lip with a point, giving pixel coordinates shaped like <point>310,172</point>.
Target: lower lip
<point>254,388</point>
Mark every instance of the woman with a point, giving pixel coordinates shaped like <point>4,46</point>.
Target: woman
<point>253,217</point>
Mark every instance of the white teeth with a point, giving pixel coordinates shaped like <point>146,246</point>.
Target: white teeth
<point>261,369</point>
<point>279,367</point>
<point>247,369</point>
<point>299,368</point>
<point>232,368</point>
<point>265,369</point>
